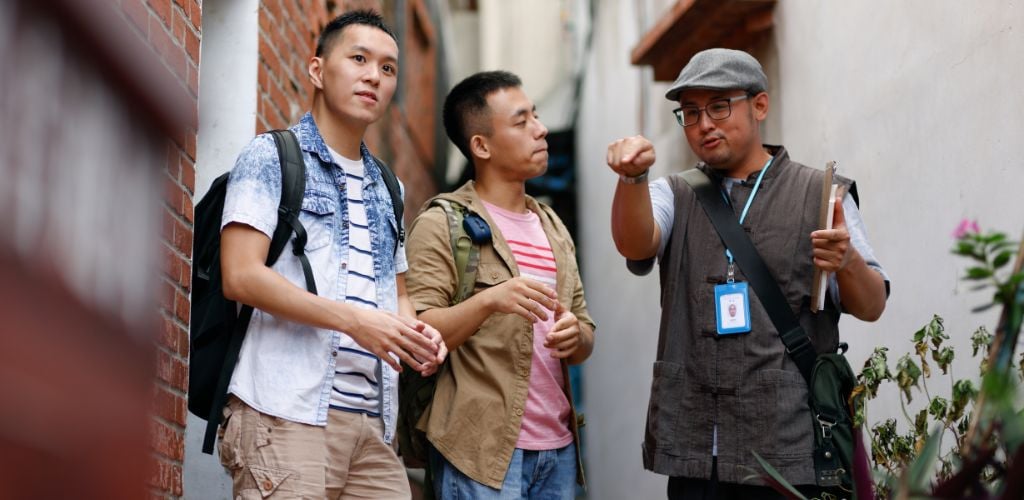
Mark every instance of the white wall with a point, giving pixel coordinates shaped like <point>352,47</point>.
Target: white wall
<point>617,376</point>
<point>227,122</point>
<point>919,101</point>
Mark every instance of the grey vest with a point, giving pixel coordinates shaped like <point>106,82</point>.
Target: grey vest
<point>745,384</point>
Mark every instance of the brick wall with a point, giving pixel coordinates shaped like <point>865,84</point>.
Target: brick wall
<point>173,29</point>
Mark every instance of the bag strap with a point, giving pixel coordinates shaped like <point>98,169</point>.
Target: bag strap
<point>391,181</point>
<point>797,343</point>
<point>293,188</point>
<point>466,253</point>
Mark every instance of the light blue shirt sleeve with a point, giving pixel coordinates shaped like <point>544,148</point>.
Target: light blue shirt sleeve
<point>663,205</point>
<point>859,240</point>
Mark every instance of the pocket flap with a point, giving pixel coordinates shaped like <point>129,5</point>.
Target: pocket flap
<point>317,203</point>
<point>268,478</point>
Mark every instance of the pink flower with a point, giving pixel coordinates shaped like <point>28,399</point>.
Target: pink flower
<point>966,227</point>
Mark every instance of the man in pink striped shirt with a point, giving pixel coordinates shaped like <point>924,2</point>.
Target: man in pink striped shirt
<point>502,423</point>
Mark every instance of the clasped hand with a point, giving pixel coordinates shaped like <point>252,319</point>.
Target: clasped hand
<point>390,335</point>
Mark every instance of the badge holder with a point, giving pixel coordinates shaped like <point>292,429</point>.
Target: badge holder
<point>732,306</point>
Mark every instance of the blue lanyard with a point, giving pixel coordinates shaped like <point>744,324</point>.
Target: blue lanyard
<point>743,214</point>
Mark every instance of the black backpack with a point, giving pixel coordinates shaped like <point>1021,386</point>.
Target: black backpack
<point>217,326</point>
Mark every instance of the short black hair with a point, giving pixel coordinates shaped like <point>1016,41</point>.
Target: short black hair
<point>335,27</point>
<point>466,104</point>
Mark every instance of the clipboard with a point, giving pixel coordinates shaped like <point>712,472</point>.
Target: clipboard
<point>829,190</point>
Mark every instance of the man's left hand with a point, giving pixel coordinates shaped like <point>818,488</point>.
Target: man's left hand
<point>831,247</point>
<point>564,337</point>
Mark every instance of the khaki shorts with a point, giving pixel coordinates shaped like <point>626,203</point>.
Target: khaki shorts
<point>269,457</point>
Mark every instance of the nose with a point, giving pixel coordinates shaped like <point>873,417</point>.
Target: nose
<point>704,121</point>
<point>372,74</point>
<point>542,131</point>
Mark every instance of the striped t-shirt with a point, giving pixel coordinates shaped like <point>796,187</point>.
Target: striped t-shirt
<point>356,384</point>
<point>545,424</point>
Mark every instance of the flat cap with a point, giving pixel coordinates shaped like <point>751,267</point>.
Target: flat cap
<point>720,69</point>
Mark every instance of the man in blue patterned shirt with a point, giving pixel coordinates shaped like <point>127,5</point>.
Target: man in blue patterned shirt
<point>313,399</point>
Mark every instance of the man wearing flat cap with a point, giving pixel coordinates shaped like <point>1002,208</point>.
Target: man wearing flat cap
<point>723,388</point>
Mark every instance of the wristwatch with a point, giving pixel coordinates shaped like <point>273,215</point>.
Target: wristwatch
<point>636,179</point>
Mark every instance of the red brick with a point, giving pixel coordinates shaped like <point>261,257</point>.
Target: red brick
<point>167,296</point>
<point>279,100</point>
<point>182,308</point>
<point>269,58</point>
<point>173,195</point>
<point>190,140</point>
<point>183,343</point>
<point>182,238</point>
<point>189,211</point>
<point>188,175</point>
<point>138,14</point>
<point>261,77</point>
<point>195,14</point>
<point>266,22</point>
<point>178,28</point>
<point>168,334</point>
<point>171,370</point>
<point>169,406</point>
<point>167,226</point>
<point>193,80</point>
<point>166,441</point>
<point>162,9</point>
<point>172,159</point>
<point>191,43</point>
<point>167,477</point>
<point>271,8</point>
<point>171,263</point>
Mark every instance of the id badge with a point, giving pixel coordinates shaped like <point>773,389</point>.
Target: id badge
<point>732,308</point>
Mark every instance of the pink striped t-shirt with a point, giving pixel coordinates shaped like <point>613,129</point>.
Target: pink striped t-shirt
<point>545,424</point>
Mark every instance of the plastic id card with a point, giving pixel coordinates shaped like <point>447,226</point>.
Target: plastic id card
<point>732,308</point>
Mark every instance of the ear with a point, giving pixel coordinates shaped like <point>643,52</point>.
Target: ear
<point>316,72</point>
<point>759,103</point>
<point>479,147</point>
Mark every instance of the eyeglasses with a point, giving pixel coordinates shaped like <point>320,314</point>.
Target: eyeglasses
<point>719,109</point>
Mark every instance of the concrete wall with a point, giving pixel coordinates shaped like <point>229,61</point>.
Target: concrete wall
<point>919,101</point>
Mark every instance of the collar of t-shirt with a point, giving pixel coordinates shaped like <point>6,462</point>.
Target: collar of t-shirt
<point>354,167</point>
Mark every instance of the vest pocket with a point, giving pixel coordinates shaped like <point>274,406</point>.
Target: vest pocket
<point>666,412</point>
<point>785,422</point>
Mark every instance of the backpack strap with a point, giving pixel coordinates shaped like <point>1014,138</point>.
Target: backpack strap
<point>798,344</point>
<point>466,253</point>
<point>293,188</point>
<point>391,181</point>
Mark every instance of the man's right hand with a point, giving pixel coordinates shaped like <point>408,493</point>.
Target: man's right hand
<point>630,156</point>
<point>528,298</point>
<point>384,333</point>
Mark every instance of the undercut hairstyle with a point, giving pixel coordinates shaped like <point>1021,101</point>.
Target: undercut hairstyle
<point>465,109</point>
<point>336,26</point>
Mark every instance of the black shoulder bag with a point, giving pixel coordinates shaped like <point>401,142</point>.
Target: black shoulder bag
<point>830,380</point>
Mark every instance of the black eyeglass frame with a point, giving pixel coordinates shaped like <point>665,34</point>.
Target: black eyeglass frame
<point>678,112</point>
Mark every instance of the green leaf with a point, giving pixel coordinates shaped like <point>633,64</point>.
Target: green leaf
<point>921,423</point>
<point>1002,259</point>
<point>943,357</point>
<point>984,307</point>
<point>978,273</point>
<point>979,339</point>
<point>964,248</point>
<point>907,375</point>
<point>938,408</point>
<point>995,237</point>
<point>774,474</point>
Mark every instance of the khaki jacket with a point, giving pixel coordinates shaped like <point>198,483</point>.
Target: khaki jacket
<point>477,409</point>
